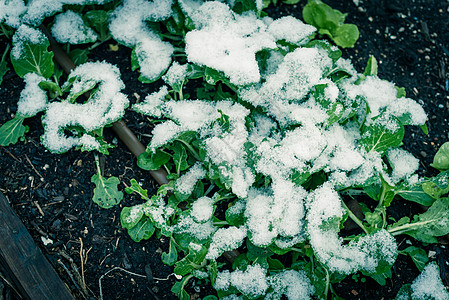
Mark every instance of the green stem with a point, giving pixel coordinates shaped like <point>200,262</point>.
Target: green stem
<point>221,223</point>
<point>407,227</point>
<point>97,163</point>
<point>354,217</point>
<point>328,278</point>
<point>191,149</point>
<point>6,51</point>
<point>209,189</point>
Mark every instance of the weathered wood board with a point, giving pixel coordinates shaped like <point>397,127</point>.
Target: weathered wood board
<point>24,262</point>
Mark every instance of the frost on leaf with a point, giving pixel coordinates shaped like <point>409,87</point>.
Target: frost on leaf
<point>11,12</point>
<point>106,104</point>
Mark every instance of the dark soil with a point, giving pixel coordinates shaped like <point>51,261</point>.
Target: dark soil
<point>52,193</point>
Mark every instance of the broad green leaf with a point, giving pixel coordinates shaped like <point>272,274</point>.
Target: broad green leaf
<point>136,188</point>
<point>225,174</point>
<point>241,6</point>
<point>106,193</point>
<point>418,256</point>
<point>130,216</point>
<point>425,227</point>
<point>171,257</point>
<point>441,159</point>
<point>98,20</point>
<point>382,278</point>
<point>210,297</point>
<point>12,131</point>
<point>371,66</point>
<point>79,56</point>
<point>255,252</point>
<point>152,161</point>
<point>192,261</point>
<point>346,35</point>
<point>321,15</point>
<point>35,58</point>
<point>416,194</point>
<point>437,186</point>
<point>275,264</point>
<point>142,231</point>
<point>379,137</point>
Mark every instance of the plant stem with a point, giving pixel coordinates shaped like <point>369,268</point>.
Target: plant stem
<point>6,51</point>
<point>328,278</point>
<point>97,163</point>
<point>191,149</point>
<point>354,217</point>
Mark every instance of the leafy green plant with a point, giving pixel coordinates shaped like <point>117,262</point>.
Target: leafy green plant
<point>330,22</point>
<point>283,132</point>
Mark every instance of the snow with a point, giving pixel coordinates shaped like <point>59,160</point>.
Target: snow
<point>291,30</point>
<point>202,209</point>
<point>225,239</point>
<point>152,103</point>
<point>32,98</point>
<point>428,284</point>
<point>176,74</point>
<point>324,209</point>
<point>106,105</point>
<point>186,183</point>
<point>403,163</point>
<point>294,284</point>
<point>25,35</point>
<point>70,28</point>
<point>11,12</point>
<point>128,26</point>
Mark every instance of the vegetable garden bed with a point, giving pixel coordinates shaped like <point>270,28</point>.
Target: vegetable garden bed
<point>94,254</point>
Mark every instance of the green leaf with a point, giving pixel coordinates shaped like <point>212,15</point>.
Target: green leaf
<point>346,35</point>
<point>3,70</point>
<point>130,216</point>
<point>79,56</point>
<point>241,6</point>
<point>235,219</point>
<point>136,188</point>
<point>52,87</point>
<point>192,261</point>
<point>425,227</point>
<point>152,161</point>
<point>321,15</point>
<point>142,231</point>
<point>12,131</point>
<point>171,257</point>
<point>180,157</point>
<point>34,58</point>
<point>401,91</point>
<point>441,158</point>
<point>178,289</point>
<point>98,20</point>
<point>405,292</point>
<point>291,2</point>
<point>371,66</point>
<point>416,194</point>
<point>106,193</point>
<point>418,256</point>
<point>379,137</point>
<point>382,278</point>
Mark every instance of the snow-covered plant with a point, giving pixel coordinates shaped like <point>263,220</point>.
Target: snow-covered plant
<point>277,134</point>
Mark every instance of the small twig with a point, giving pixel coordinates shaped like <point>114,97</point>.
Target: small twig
<point>39,208</point>
<point>32,166</point>
<point>12,155</point>
<point>82,265</point>
<point>126,271</point>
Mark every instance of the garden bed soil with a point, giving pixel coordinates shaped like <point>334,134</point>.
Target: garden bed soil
<point>52,193</point>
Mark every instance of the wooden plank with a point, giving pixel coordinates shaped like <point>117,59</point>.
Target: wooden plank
<point>31,272</point>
